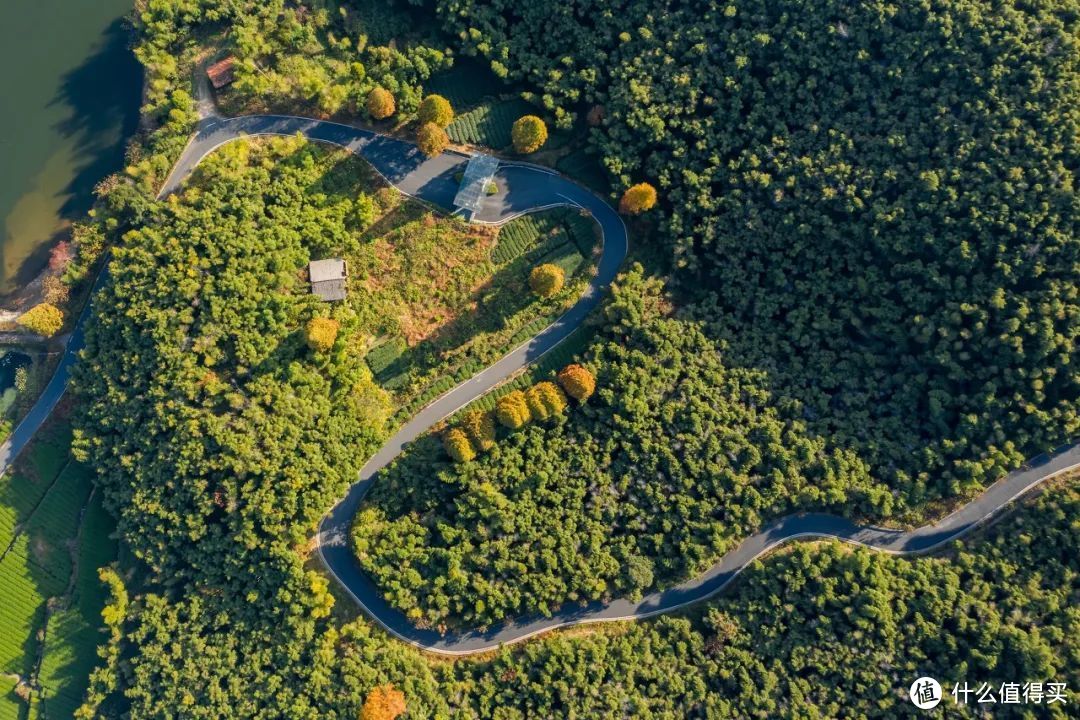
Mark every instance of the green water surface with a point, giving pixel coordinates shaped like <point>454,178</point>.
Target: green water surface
<point>69,97</point>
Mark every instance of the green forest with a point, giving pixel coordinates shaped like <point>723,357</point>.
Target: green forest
<point>819,630</point>
<point>856,292</point>
<point>876,203</point>
<point>870,302</point>
<point>675,460</point>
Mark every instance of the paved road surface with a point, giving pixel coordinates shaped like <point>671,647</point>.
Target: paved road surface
<point>522,189</point>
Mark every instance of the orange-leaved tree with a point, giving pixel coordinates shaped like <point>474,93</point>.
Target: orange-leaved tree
<point>321,332</point>
<point>512,410</point>
<point>545,400</point>
<point>578,382</point>
<point>547,279</point>
<point>385,702</point>
<point>380,103</point>
<point>637,199</point>
<point>480,427</point>
<point>431,139</point>
<point>458,446</point>
<point>435,109</point>
<point>43,319</point>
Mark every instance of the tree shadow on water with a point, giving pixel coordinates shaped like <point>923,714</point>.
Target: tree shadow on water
<point>101,97</point>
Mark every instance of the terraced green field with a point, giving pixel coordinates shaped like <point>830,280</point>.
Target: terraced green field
<point>10,706</point>
<point>489,124</point>
<point>74,633</point>
<point>42,504</point>
<point>465,84</point>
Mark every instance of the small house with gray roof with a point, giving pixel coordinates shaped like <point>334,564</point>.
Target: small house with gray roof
<point>328,278</point>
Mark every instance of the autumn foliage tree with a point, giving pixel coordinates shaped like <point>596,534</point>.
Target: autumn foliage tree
<point>637,199</point>
<point>480,427</point>
<point>43,319</point>
<point>458,446</point>
<point>60,256</point>
<point>577,381</point>
<point>529,133</point>
<point>547,279</point>
<point>435,109</point>
<point>385,702</point>
<point>321,332</point>
<point>545,400</point>
<point>431,139</point>
<point>512,410</point>
<point>380,103</point>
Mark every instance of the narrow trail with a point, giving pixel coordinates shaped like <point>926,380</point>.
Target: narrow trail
<point>524,189</point>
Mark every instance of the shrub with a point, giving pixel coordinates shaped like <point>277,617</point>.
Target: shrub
<point>320,333</point>
<point>385,702</point>
<point>60,256</point>
<point>545,400</point>
<point>380,104</point>
<point>480,427</point>
<point>529,134</point>
<point>512,410</point>
<point>547,279</point>
<point>458,446</point>
<point>637,199</point>
<point>431,139</point>
<point>578,382</point>
<point>435,109</point>
<point>364,211</point>
<point>44,319</point>
<point>54,290</point>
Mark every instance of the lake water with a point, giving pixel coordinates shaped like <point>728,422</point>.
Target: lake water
<point>69,98</point>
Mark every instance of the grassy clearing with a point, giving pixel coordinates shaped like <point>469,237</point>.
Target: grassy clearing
<point>495,315</point>
<point>41,504</point>
<point>489,124</point>
<point>413,272</point>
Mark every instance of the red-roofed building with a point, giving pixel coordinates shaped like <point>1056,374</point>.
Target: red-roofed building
<point>222,72</point>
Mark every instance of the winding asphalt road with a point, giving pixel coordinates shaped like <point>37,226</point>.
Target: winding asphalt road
<point>522,189</point>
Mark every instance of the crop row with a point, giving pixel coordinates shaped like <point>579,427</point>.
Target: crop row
<point>488,125</point>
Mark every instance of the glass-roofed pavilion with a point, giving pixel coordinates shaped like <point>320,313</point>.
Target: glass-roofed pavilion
<point>478,174</point>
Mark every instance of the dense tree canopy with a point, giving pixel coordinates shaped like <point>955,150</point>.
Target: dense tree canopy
<point>880,197</point>
<point>823,630</point>
<point>674,461</point>
<point>215,433</point>
<point>872,214</point>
